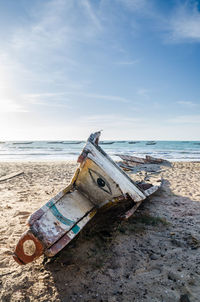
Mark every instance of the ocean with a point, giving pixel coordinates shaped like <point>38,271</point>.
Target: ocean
<point>69,150</point>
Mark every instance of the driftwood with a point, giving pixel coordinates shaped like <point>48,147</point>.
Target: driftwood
<point>9,176</point>
<point>155,160</point>
<point>132,159</point>
<point>147,160</point>
<point>125,166</point>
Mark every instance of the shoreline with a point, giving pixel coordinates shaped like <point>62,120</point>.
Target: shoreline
<point>25,161</point>
<point>43,151</point>
<point>38,161</point>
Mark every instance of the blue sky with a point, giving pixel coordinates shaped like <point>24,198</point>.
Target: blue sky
<point>71,67</point>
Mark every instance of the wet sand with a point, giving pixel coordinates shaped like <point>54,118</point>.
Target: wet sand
<point>154,256</point>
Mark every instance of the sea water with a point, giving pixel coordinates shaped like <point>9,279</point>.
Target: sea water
<point>69,150</point>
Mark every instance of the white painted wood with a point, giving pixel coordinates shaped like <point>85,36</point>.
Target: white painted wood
<point>72,206</point>
<point>87,183</point>
<point>120,178</point>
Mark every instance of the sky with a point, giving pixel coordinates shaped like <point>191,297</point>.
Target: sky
<point>72,67</point>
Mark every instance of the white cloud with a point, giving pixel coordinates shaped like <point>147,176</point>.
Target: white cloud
<point>114,126</point>
<point>185,119</point>
<point>134,5</point>
<point>41,95</point>
<point>106,97</point>
<point>187,103</point>
<point>37,97</point>
<point>11,106</point>
<point>180,25</point>
<point>185,24</point>
<point>131,62</point>
<point>45,46</point>
<point>91,14</point>
<point>116,122</point>
<point>112,117</point>
<point>143,92</point>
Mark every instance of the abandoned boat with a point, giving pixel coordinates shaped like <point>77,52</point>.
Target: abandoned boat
<point>97,182</point>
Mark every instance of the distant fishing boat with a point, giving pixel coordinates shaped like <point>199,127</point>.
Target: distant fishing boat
<point>22,143</point>
<point>72,143</point>
<point>59,142</point>
<point>151,143</point>
<point>133,142</point>
<point>106,143</point>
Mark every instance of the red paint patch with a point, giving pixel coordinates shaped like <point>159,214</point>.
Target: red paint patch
<point>19,254</point>
<point>59,245</point>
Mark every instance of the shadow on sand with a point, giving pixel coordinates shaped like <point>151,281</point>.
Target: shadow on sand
<point>151,257</point>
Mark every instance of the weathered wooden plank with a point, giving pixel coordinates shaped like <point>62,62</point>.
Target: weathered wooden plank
<point>12,175</point>
<point>126,185</point>
<point>64,240</point>
<point>62,216</point>
<point>147,159</point>
<point>155,160</point>
<point>130,212</point>
<point>132,158</point>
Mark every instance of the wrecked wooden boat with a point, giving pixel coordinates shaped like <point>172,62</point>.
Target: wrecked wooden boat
<point>97,182</point>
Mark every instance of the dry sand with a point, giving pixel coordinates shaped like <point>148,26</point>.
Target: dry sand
<point>152,257</point>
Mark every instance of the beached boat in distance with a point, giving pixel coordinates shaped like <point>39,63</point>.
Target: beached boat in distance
<point>72,143</point>
<point>22,143</point>
<point>151,143</point>
<point>106,143</point>
<point>56,142</point>
<point>98,182</point>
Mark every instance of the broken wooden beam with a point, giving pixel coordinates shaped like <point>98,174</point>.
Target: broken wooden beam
<point>9,176</point>
<point>139,160</point>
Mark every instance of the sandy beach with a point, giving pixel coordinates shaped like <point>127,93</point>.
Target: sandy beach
<point>152,257</point>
